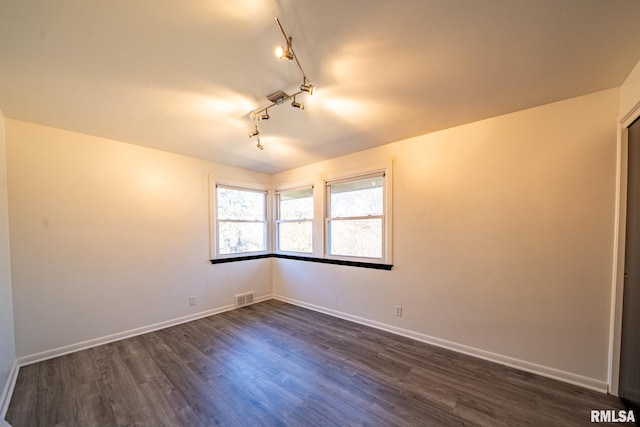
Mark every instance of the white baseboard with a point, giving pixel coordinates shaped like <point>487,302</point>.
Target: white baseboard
<point>545,371</point>
<point>568,377</point>
<point>72,348</point>
<point>7,391</point>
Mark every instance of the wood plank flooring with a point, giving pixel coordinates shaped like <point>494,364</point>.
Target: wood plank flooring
<point>275,364</point>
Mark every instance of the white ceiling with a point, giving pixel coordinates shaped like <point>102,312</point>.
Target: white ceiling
<point>184,76</point>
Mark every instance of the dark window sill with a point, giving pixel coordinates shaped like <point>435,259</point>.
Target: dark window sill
<point>307,259</point>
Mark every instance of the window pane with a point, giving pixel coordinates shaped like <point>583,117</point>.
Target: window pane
<point>296,204</point>
<point>241,204</point>
<point>295,236</point>
<point>363,197</point>
<point>361,238</point>
<point>237,237</point>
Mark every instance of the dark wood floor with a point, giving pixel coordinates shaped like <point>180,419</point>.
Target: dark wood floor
<point>277,364</point>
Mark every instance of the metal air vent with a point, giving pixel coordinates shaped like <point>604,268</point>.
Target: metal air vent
<point>244,299</point>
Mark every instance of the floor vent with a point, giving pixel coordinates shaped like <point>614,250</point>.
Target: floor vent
<point>244,299</point>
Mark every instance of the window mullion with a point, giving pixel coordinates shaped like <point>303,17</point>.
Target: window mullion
<point>243,220</point>
<point>354,218</point>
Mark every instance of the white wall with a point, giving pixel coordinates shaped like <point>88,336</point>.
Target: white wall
<point>7,342</point>
<point>107,237</point>
<point>502,238</point>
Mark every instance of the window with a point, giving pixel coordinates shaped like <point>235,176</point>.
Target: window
<point>355,217</point>
<point>294,224</point>
<point>347,223</point>
<point>241,216</point>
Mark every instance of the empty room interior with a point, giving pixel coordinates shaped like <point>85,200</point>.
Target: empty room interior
<point>279,212</point>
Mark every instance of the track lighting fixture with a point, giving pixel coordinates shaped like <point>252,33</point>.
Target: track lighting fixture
<point>279,97</point>
<point>295,104</point>
<point>263,116</point>
<point>307,87</point>
<point>284,53</point>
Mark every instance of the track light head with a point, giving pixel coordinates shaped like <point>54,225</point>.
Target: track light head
<point>263,116</point>
<point>295,104</point>
<point>308,87</point>
<point>259,145</point>
<point>284,53</point>
<point>254,132</point>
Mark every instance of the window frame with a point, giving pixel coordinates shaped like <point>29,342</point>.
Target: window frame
<point>277,220</point>
<point>319,227</point>
<point>386,217</point>
<point>216,221</point>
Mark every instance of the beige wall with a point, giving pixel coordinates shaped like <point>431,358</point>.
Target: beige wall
<point>107,237</point>
<point>502,238</point>
<point>7,343</point>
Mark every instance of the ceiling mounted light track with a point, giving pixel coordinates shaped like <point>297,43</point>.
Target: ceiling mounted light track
<point>279,97</point>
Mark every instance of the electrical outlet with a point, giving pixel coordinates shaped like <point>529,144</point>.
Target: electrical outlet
<point>192,300</point>
<point>399,310</point>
